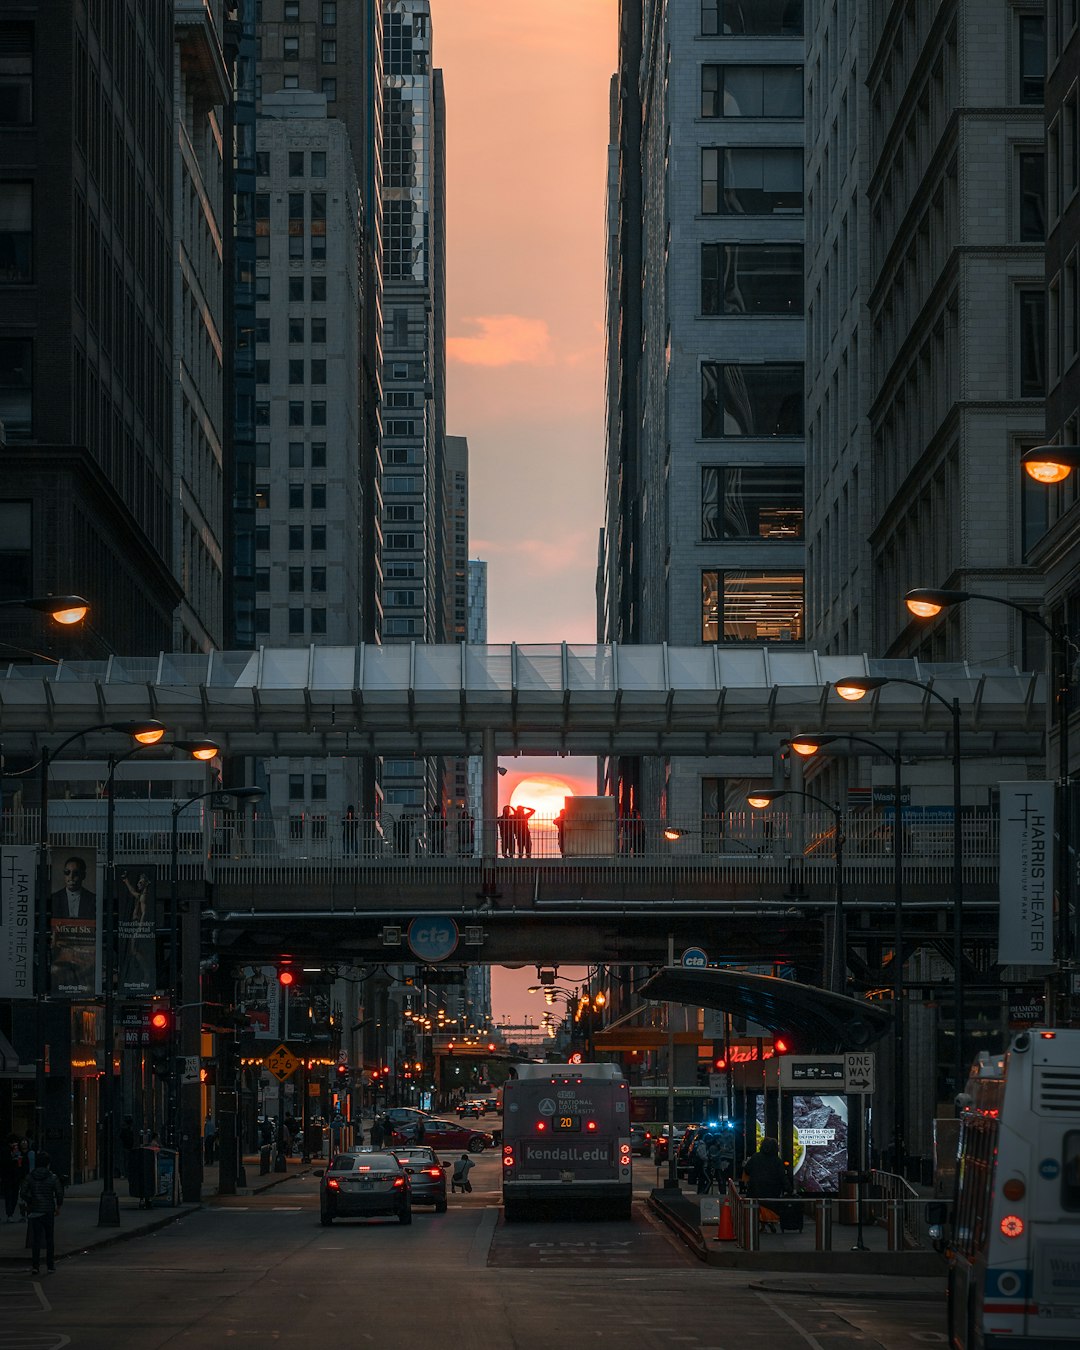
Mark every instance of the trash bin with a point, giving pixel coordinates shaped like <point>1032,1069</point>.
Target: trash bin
<point>849,1193</point>
<point>143,1178</point>
<point>313,1137</point>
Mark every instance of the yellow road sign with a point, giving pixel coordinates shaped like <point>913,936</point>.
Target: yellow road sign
<point>282,1063</point>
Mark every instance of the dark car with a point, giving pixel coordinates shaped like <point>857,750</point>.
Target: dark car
<point>427,1176</point>
<point>492,1104</point>
<point>362,1186</point>
<point>472,1108</point>
<point>640,1141</point>
<point>440,1134</point>
<point>684,1157</point>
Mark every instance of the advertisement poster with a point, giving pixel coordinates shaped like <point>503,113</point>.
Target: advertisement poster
<point>820,1142</point>
<point>74,928</point>
<point>258,999</point>
<point>1026,874</point>
<point>17,922</point>
<point>136,943</point>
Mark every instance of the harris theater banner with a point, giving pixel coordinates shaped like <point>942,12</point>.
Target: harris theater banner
<point>17,868</point>
<point>1026,877</point>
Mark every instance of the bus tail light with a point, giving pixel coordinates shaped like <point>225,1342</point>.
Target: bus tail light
<point>508,1155</point>
<point>590,1124</point>
<point>541,1126</point>
<point>1012,1226</point>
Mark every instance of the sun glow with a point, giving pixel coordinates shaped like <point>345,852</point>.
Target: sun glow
<point>545,793</point>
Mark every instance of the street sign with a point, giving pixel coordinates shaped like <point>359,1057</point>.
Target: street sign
<point>190,1073</point>
<point>803,1071</point>
<point>695,958</point>
<point>717,1084</point>
<point>859,1072</point>
<point>282,1063</point>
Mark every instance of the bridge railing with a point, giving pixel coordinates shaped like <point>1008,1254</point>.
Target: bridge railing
<point>737,847</point>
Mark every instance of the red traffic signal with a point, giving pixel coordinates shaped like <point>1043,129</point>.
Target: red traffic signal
<point>720,1064</point>
<point>782,1045</point>
<point>286,976</point>
<point>160,1021</point>
<point>342,1071</point>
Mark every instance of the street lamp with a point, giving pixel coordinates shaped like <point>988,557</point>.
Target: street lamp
<point>762,800</point>
<point>109,1204</point>
<point>926,603</point>
<point>190,1179</point>
<point>858,686</point>
<point>807,746</point>
<point>146,731</point>
<point>62,609</point>
<point>1050,463</point>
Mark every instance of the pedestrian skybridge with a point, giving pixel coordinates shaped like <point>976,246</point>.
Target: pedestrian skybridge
<point>528,699</point>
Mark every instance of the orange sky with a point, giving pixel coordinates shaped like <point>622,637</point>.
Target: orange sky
<point>527,131</point>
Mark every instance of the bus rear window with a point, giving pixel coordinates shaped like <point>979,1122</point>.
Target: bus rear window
<point>1070,1172</point>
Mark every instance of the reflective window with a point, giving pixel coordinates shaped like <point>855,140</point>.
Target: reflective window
<point>1032,343</point>
<point>296,164</point>
<point>16,387</point>
<point>318,163</point>
<point>751,279</point>
<point>752,18</point>
<point>751,400</point>
<point>16,74</point>
<point>759,502</point>
<point>1032,58</point>
<point>329,89</point>
<point>756,181</point>
<point>760,607</point>
<point>16,556</point>
<point>751,91</point>
<point>1032,176</point>
<point>16,232</point>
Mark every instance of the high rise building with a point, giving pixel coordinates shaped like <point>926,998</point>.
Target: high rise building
<point>86,335</point>
<point>202,90</point>
<point>455,586</point>
<point>704,536</point>
<point>478,633</point>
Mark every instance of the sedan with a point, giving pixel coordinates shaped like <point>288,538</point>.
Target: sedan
<point>363,1185</point>
<point>474,1109</point>
<point>427,1176</point>
<point>442,1134</point>
<point>640,1141</point>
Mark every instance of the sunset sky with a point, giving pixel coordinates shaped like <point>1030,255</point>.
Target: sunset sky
<point>527,133</point>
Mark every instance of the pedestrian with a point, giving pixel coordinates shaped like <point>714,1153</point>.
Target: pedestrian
<point>508,830</point>
<point>560,831</point>
<point>209,1132</point>
<point>522,832</point>
<point>719,1165</point>
<point>420,1132</point>
<point>634,832</point>
<point>766,1178</point>
<point>41,1195</point>
<point>378,1134</point>
<point>465,833</point>
<point>459,1181</point>
<point>11,1176</point>
<point>350,831</point>
<point>700,1164</point>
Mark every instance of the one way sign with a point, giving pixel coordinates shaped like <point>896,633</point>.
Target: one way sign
<point>859,1072</point>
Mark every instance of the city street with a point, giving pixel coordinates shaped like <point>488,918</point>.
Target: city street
<point>261,1268</point>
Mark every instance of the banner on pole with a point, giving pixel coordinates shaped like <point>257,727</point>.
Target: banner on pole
<point>75,967</point>
<point>17,871</point>
<point>1026,876</point>
<point>136,909</point>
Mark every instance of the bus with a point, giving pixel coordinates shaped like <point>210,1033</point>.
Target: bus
<point>566,1140</point>
<point>1014,1238</point>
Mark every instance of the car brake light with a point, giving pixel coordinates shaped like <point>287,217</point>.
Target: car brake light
<point>1012,1225</point>
<point>332,1184</point>
<point>1048,1035</point>
<point>398,1182</point>
<point>433,1171</point>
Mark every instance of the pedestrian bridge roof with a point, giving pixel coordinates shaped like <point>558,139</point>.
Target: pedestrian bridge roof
<point>538,698</point>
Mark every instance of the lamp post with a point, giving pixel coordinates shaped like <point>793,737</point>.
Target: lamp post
<point>189,1179</point>
<point>62,609</point>
<point>807,745</point>
<point>857,687</point>
<point>927,603</point>
<point>761,800</point>
<point>145,732</point>
<point>109,1204</point>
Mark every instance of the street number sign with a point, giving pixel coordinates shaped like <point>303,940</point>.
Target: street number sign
<point>282,1063</point>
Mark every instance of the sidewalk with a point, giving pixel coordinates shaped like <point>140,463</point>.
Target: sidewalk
<point>77,1227</point>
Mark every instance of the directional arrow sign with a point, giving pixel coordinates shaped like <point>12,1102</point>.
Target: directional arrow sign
<point>282,1063</point>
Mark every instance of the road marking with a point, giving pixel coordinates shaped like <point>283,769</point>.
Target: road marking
<point>807,1337</point>
<point>286,1209</point>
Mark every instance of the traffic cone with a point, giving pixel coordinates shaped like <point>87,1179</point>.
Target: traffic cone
<point>725,1229</point>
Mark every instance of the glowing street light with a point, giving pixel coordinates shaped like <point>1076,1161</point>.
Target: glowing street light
<point>1050,464</point>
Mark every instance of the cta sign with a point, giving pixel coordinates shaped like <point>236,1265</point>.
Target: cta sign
<point>432,937</point>
<point>695,958</point>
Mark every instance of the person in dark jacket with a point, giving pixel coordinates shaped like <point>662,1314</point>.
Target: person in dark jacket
<point>42,1194</point>
<point>765,1175</point>
<point>12,1175</point>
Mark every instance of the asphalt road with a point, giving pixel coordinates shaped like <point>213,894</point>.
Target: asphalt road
<point>259,1269</point>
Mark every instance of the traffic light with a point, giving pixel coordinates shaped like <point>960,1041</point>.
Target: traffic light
<point>286,974</point>
<point>341,1073</point>
<point>228,1058</point>
<point>161,1029</point>
<point>720,1064</point>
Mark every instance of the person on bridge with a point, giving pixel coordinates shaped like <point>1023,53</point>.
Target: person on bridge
<point>522,833</point>
<point>466,832</point>
<point>508,830</point>
<point>350,831</point>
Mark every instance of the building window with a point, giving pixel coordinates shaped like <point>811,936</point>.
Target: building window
<point>262,329</point>
<point>296,579</point>
<point>16,232</point>
<point>296,289</point>
<point>1032,174</point>
<point>756,181</point>
<point>318,538</point>
<point>318,330</point>
<point>262,371</point>
<point>296,787</point>
<point>318,163</point>
<point>262,497</point>
<point>329,13</point>
<point>318,454</point>
<point>1032,343</point>
<point>296,538</point>
<point>296,412</point>
<point>262,538</point>
<point>329,89</point>
<point>296,330</point>
<point>262,413</point>
<point>751,279</point>
<point>296,371</point>
<point>262,620</point>
<point>1032,58</point>
<point>318,621</point>
<point>398,427</point>
<point>329,52</point>
<point>318,780</point>
<point>743,606</point>
<point>296,166</point>
<point>16,551</point>
<point>296,620</point>
<point>751,400</point>
<point>291,48</point>
<point>757,502</point>
<point>401,541</point>
<point>751,91</point>
<point>318,225</point>
<point>16,74</point>
<point>262,286</point>
<point>296,225</point>
<point>318,414</point>
<point>318,577</point>
<point>262,163</point>
<point>16,387</point>
<point>262,578</point>
<point>291,81</point>
<point>318,496</point>
<point>296,454</point>
<point>318,288</point>
<point>752,18</point>
<point>296,496</point>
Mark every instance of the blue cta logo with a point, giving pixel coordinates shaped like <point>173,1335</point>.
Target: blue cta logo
<point>695,958</point>
<point>432,937</point>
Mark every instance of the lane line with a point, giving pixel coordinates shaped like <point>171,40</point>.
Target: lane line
<point>806,1335</point>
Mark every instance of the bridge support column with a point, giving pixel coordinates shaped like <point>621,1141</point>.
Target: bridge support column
<point>489,793</point>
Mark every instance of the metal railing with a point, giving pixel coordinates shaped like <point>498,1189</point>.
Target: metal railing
<point>897,1208</point>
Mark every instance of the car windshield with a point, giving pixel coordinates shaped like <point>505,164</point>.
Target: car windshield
<point>415,1154</point>
<point>343,1163</point>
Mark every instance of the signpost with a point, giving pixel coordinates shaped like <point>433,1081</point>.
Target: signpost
<point>282,1063</point>
<point>695,958</point>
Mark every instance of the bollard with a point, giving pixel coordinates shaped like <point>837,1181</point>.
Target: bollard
<point>823,1225</point>
<point>753,1234</point>
<point>896,1225</point>
<point>264,1160</point>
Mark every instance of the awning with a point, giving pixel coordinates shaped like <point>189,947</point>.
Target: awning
<point>821,1021</point>
<point>10,1066</point>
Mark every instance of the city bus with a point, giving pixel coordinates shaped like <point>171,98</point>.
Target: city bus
<point>1014,1237</point>
<point>566,1140</point>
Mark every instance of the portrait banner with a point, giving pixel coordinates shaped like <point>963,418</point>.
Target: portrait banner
<point>136,908</point>
<point>75,928</point>
<point>17,911</point>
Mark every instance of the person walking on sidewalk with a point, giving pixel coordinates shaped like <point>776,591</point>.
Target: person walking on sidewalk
<point>42,1194</point>
<point>11,1175</point>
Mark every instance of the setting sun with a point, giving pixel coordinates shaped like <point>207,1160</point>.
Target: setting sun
<point>543,792</point>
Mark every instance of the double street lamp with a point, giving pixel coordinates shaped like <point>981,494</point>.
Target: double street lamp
<point>762,800</point>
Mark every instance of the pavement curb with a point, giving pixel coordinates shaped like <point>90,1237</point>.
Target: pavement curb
<point>830,1291</point>
<point>109,1239</point>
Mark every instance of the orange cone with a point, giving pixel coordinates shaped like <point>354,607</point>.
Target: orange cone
<point>725,1229</point>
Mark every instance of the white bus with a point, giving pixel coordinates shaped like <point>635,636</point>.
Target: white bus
<point>566,1139</point>
<point>1014,1244</point>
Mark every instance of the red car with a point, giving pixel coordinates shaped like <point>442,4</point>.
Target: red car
<point>443,1134</point>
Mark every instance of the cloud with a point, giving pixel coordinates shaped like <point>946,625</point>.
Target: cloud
<point>540,557</point>
<point>502,340</point>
